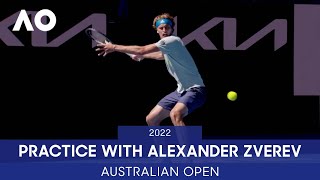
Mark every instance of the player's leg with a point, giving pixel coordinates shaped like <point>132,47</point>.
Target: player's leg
<point>156,115</point>
<point>177,114</point>
<point>188,102</point>
<point>162,109</point>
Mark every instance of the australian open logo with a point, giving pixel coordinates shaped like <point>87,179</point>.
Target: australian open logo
<point>23,18</point>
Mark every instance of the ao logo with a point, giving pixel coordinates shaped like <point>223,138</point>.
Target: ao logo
<point>23,18</point>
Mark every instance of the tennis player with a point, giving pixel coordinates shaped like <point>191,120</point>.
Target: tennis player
<point>191,91</point>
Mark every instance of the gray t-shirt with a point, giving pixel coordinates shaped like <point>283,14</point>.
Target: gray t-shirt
<point>180,63</point>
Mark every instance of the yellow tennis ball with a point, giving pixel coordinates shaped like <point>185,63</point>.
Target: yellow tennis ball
<point>232,96</point>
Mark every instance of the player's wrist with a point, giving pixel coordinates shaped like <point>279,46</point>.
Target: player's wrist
<point>114,47</point>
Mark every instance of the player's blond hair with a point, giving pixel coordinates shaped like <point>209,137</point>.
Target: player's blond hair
<point>163,16</point>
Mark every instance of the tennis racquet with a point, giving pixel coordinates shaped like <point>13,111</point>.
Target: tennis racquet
<point>99,37</point>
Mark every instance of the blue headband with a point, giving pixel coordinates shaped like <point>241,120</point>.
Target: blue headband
<point>163,21</point>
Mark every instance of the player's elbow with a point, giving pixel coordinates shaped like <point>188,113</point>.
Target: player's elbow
<point>141,51</point>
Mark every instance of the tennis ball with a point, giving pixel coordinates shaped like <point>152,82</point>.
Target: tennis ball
<point>232,96</point>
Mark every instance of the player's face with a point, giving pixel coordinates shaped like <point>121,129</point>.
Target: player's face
<point>164,30</point>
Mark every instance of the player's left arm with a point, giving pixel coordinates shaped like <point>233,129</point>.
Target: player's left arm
<point>106,48</point>
<point>154,55</point>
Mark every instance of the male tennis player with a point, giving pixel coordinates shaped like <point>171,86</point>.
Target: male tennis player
<point>190,93</point>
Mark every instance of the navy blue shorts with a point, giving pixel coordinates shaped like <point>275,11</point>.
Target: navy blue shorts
<point>193,98</point>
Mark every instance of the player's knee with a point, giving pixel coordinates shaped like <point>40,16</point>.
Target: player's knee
<point>151,120</point>
<point>175,116</point>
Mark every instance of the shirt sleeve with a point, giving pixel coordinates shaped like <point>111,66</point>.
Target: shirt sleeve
<point>167,44</point>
